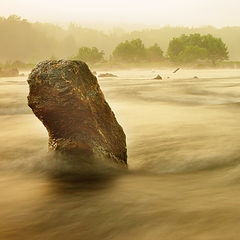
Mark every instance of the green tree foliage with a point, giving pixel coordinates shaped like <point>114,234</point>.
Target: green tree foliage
<point>129,51</point>
<point>216,48</point>
<point>32,42</point>
<point>194,47</point>
<point>20,41</point>
<point>89,55</point>
<point>135,51</point>
<point>154,53</point>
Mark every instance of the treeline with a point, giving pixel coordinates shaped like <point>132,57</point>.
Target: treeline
<point>125,52</point>
<point>186,49</point>
<point>135,51</point>
<point>31,42</point>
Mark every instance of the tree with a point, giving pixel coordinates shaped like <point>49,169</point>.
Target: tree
<point>130,51</point>
<point>216,49</point>
<point>21,41</point>
<point>196,47</point>
<point>135,51</point>
<point>89,55</point>
<point>154,53</point>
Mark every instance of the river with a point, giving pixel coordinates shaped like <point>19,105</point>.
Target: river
<point>183,140</point>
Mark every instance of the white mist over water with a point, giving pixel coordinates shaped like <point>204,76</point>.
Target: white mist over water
<point>183,138</point>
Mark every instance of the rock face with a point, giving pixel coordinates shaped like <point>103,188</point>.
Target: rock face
<point>66,97</point>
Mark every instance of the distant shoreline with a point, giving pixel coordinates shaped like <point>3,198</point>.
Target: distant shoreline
<point>107,66</point>
<point>164,65</point>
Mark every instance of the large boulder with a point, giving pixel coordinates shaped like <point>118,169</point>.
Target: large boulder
<point>66,97</point>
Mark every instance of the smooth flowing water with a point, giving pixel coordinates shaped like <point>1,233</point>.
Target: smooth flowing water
<point>183,137</point>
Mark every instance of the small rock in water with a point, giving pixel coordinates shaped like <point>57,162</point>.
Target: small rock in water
<point>107,75</point>
<point>158,77</point>
<point>195,77</point>
<point>11,72</point>
<point>66,98</point>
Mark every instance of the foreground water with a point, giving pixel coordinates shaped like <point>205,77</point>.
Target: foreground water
<point>183,180</point>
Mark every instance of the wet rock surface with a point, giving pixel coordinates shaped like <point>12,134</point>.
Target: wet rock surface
<point>66,97</point>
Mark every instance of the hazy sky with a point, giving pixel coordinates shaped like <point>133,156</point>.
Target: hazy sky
<point>148,12</point>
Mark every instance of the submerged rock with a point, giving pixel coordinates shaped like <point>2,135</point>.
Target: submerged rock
<point>107,75</point>
<point>158,77</point>
<point>66,97</point>
<point>195,77</point>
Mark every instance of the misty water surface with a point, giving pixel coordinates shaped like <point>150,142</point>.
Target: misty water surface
<point>183,137</point>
